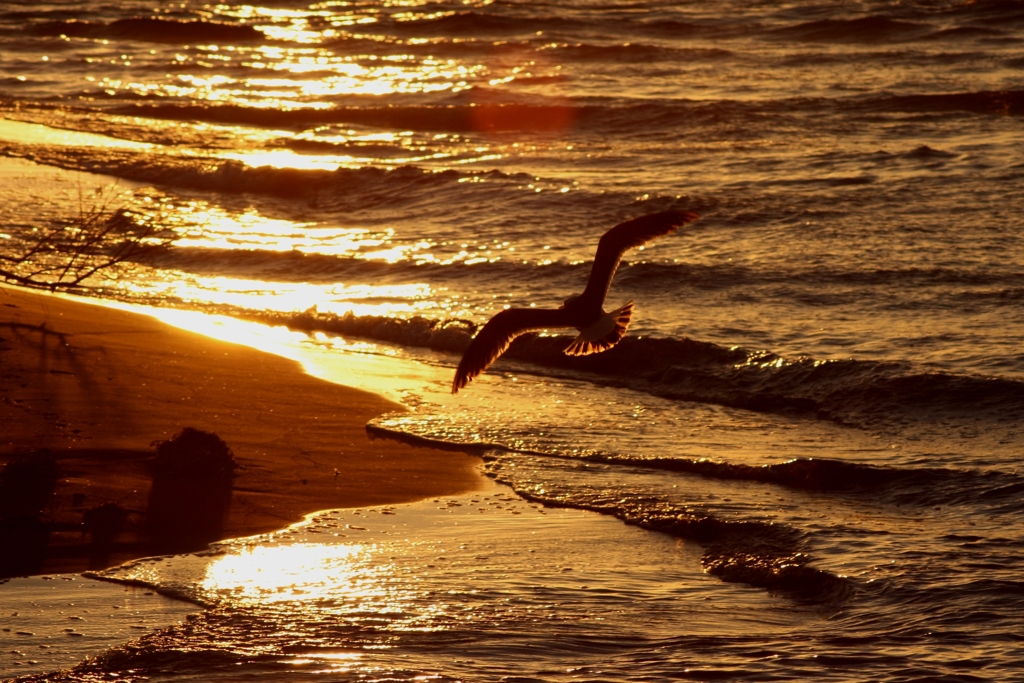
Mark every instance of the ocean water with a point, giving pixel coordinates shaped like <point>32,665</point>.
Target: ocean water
<point>803,463</point>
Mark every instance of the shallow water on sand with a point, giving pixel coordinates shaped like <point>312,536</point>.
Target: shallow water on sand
<point>487,587</point>
<point>454,588</point>
<point>55,622</point>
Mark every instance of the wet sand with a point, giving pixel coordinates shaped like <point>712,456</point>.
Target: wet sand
<point>97,386</point>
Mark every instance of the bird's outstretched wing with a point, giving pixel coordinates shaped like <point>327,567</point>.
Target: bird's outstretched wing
<point>621,238</point>
<point>496,336</point>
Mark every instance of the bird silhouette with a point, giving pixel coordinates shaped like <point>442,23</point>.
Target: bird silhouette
<point>599,330</point>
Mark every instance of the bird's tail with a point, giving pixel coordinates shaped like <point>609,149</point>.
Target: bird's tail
<point>604,334</point>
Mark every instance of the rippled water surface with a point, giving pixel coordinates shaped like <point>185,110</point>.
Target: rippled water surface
<point>812,432</point>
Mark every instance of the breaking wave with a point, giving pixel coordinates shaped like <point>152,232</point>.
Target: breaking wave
<point>231,176</point>
<point>852,392</point>
<point>893,485</point>
<point>756,553</point>
<point>992,102</point>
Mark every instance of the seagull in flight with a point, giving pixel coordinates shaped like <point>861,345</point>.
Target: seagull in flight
<point>599,331</point>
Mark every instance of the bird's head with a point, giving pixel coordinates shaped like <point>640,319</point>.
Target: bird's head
<point>568,302</point>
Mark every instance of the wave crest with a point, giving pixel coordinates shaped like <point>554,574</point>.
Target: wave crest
<point>872,29</point>
<point>853,392</point>
<point>152,30</point>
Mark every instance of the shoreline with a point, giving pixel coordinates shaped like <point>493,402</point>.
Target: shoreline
<point>97,386</point>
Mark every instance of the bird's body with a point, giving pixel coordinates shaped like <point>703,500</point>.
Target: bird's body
<point>599,330</point>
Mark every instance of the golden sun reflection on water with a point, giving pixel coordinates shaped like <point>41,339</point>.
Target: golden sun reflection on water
<point>304,62</point>
<point>284,158</point>
<point>286,297</point>
<point>309,572</point>
<point>34,133</point>
<point>291,249</point>
<point>298,78</point>
<point>209,227</point>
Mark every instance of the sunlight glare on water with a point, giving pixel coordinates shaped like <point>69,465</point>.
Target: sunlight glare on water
<point>309,75</point>
<point>283,158</point>
<point>34,133</point>
<point>338,299</point>
<point>278,573</point>
<point>211,227</point>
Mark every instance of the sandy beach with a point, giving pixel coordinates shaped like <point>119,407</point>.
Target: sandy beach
<point>98,386</point>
